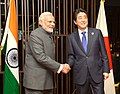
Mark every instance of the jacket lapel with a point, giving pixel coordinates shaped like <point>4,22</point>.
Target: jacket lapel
<point>77,38</point>
<point>91,34</point>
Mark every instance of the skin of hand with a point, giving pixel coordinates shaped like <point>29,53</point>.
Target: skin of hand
<point>66,68</point>
<point>106,75</point>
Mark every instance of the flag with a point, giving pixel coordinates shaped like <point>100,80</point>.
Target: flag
<point>102,25</point>
<point>9,48</point>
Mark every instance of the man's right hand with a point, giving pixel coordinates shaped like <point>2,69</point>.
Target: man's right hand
<point>66,68</point>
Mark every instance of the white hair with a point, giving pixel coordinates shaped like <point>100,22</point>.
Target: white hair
<point>43,15</point>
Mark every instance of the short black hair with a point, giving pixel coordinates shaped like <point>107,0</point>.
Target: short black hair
<point>77,11</point>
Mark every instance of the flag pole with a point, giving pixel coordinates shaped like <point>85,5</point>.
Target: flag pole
<point>0,60</point>
<point>103,0</point>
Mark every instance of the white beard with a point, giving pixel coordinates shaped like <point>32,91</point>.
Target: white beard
<point>48,29</point>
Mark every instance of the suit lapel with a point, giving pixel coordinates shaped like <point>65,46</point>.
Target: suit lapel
<point>90,39</point>
<point>77,38</point>
<point>91,34</point>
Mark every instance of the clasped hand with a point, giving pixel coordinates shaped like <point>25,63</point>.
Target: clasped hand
<point>66,68</point>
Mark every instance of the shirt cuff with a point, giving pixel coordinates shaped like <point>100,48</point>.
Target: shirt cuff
<point>60,68</point>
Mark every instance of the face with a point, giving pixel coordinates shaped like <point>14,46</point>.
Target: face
<point>81,21</point>
<point>48,23</point>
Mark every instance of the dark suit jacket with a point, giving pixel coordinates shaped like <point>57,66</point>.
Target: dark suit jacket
<point>95,60</point>
<point>39,63</point>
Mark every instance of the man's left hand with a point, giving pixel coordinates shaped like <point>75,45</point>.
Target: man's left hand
<point>106,75</point>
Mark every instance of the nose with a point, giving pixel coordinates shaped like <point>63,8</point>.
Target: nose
<point>83,19</point>
<point>53,23</point>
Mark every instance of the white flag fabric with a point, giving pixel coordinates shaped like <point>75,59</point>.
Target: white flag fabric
<point>102,25</point>
<point>9,49</point>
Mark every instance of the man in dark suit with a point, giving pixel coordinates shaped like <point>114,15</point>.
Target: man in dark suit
<point>87,54</point>
<point>40,65</point>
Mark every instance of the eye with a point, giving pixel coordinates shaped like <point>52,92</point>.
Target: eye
<point>51,22</point>
<point>79,17</point>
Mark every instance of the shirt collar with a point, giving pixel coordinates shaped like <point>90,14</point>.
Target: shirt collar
<point>86,30</point>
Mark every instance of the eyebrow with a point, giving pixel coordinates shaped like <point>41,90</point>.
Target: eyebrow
<point>51,21</point>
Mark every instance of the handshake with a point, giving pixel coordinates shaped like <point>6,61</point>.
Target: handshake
<point>66,68</point>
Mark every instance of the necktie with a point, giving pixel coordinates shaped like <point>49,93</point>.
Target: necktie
<point>84,41</point>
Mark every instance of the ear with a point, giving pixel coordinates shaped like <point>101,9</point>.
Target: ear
<point>40,22</point>
<point>75,22</point>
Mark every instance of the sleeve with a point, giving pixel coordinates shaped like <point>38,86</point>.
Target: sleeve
<point>71,56</point>
<point>37,50</point>
<point>104,53</point>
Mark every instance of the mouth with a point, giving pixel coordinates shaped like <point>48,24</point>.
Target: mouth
<point>83,23</point>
